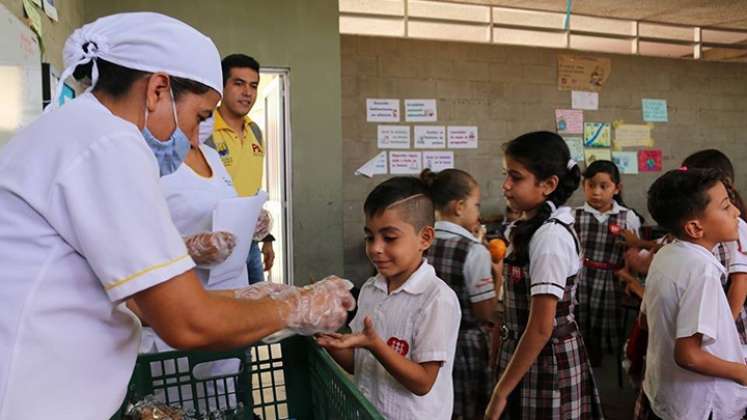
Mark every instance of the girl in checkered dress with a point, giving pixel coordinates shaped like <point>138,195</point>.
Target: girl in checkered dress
<point>732,254</point>
<point>599,224</point>
<point>544,372</point>
<point>464,264</point>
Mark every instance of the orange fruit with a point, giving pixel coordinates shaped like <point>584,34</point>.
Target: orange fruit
<point>497,249</point>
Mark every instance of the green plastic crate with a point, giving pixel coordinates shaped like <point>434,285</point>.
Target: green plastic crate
<point>293,379</point>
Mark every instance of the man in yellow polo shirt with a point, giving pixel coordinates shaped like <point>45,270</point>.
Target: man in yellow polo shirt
<point>238,141</point>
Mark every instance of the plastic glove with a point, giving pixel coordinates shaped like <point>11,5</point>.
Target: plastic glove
<point>209,248</point>
<point>263,289</point>
<point>264,225</point>
<point>321,307</point>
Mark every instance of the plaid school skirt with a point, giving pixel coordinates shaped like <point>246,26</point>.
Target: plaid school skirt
<point>599,310</point>
<point>473,379</point>
<point>560,384</point>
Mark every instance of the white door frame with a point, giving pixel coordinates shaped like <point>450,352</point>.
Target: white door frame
<point>286,165</point>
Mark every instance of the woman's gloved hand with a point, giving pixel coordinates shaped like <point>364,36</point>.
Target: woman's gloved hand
<point>320,307</point>
<point>210,248</point>
<point>263,289</point>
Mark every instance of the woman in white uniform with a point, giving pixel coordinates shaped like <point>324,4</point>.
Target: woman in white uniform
<point>84,226</point>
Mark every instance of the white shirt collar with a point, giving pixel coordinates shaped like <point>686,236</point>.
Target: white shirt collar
<point>415,285</point>
<point>563,214</point>
<point>614,210</point>
<point>455,229</point>
<point>695,248</point>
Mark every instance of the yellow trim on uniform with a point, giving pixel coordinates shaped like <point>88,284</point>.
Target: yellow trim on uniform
<point>142,272</point>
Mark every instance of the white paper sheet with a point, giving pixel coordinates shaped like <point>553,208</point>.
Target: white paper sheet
<point>375,166</point>
<point>462,137</point>
<point>430,136</point>
<point>382,110</point>
<point>393,136</point>
<point>585,100</point>
<point>238,216</point>
<point>438,161</point>
<point>420,110</point>
<point>405,163</point>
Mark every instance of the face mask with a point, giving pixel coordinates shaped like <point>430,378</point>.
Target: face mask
<point>172,152</point>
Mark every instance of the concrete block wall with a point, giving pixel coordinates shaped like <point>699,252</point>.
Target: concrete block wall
<point>507,91</point>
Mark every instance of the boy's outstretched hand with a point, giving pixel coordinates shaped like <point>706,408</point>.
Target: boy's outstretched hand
<point>363,339</point>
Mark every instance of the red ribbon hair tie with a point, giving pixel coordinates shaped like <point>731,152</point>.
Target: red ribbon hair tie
<point>682,168</point>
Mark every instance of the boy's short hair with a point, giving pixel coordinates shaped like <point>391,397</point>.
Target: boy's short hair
<point>237,61</point>
<point>407,194</point>
<point>679,195</point>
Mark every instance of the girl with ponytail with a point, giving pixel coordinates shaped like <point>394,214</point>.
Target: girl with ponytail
<point>543,368</point>
<point>461,260</point>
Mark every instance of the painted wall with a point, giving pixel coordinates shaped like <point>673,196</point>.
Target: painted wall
<point>302,36</point>
<point>507,91</point>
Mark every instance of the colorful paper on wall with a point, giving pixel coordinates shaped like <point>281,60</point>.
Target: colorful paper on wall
<point>627,162</point>
<point>576,147</point>
<point>596,134</point>
<point>649,160</point>
<point>405,163</point>
<point>569,121</point>
<point>375,166</point>
<point>632,135</point>
<point>590,155</point>
<point>430,137</point>
<point>35,20</point>
<point>420,110</point>
<point>50,9</point>
<point>394,137</point>
<point>654,110</point>
<point>382,110</point>
<point>577,72</point>
<point>581,99</point>
<point>438,161</point>
<point>462,137</point>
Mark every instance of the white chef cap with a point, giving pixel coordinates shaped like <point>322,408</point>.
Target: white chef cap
<point>149,42</point>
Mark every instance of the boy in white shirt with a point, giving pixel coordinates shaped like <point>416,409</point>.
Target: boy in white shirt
<point>402,351</point>
<point>695,368</point>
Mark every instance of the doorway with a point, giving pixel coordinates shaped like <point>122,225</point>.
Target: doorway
<point>272,113</point>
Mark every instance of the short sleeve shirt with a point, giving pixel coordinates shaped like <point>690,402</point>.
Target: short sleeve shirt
<point>684,297</point>
<point>83,226</point>
<point>631,219</point>
<point>420,320</point>
<point>553,256</point>
<point>478,274</point>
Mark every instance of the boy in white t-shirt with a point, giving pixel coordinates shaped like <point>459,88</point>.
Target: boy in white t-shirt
<point>405,331</point>
<point>695,368</point>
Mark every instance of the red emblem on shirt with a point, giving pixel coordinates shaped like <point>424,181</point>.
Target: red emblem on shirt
<point>400,346</point>
<point>614,229</point>
<point>516,274</point>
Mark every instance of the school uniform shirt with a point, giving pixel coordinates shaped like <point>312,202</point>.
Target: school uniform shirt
<point>737,257</point>
<point>738,251</point>
<point>420,320</point>
<point>553,255</point>
<point>478,276</point>
<point>191,199</point>
<point>684,297</point>
<point>242,157</point>
<point>632,220</point>
<point>83,227</point>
